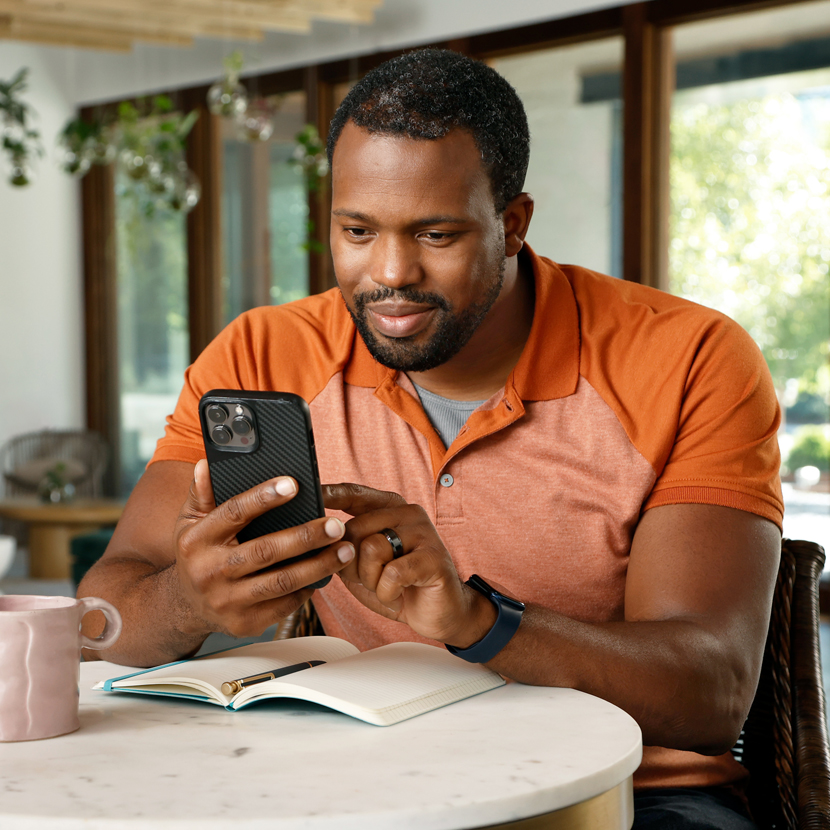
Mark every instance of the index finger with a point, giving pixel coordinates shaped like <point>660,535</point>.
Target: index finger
<point>355,499</point>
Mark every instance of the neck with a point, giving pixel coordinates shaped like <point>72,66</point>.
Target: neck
<point>482,367</point>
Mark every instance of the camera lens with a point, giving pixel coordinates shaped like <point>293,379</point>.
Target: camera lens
<point>241,426</point>
<point>221,435</point>
<point>217,414</point>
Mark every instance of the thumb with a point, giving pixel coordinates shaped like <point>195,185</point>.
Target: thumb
<point>200,500</point>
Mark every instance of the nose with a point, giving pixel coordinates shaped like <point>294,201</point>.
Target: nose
<point>396,262</point>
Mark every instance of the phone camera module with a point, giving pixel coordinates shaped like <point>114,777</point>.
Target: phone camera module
<point>221,435</point>
<point>241,426</point>
<point>218,414</point>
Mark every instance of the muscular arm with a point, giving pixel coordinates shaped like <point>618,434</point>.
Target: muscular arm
<point>175,571</point>
<point>684,661</point>
<point>137,574</point>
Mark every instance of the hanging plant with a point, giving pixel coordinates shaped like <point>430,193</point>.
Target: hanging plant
<point>20,140</point>
<point>310,156</point>
<point>228,97</point>
<point>152,152</point>
<point>84,143</point>
<point>257,122</point>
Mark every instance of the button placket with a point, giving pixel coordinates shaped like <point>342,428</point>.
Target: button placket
<point>448,503</point>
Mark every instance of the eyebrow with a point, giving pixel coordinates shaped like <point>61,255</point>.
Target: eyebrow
<point>429,220</point>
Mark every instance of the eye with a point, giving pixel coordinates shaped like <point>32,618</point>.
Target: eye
<point>437,236</point>
<point>358,233</point>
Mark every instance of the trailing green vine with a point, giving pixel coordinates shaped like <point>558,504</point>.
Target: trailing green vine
<point>20,140</point>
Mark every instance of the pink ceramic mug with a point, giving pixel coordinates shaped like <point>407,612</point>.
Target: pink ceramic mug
<point>40,658</point>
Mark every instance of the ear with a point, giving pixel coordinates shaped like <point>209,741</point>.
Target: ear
<point>516,217</point>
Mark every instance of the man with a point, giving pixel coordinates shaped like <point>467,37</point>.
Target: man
<point>604,451</point>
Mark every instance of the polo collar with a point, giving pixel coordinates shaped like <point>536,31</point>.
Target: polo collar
<point>548,366</point>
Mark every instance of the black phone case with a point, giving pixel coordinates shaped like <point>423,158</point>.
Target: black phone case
<point>284,446</point>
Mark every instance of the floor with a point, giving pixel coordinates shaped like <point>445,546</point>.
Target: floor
<point>17,582</point>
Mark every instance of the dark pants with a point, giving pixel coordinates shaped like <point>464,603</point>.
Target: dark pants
<point>676,808</point>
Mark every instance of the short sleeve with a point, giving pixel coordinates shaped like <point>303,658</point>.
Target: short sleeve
<point>725,450</point>
<point>220,366</point>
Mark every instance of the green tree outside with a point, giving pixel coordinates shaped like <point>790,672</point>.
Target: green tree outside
<point>750,224</point>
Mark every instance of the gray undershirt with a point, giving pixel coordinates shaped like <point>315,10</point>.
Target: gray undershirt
<point>447,416</point>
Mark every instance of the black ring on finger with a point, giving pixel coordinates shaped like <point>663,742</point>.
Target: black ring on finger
<point>394,540</point>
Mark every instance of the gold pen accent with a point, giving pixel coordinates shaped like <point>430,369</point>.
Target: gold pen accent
<point>231,687</point>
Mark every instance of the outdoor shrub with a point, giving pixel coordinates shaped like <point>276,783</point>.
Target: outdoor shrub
<point>810,448</point>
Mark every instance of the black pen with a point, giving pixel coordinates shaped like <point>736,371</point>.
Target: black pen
<point>234,686</point>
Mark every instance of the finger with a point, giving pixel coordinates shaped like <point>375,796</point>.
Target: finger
<point>275,548</point>
<point>373,551</point>
<point>200,497</point>
<point>355,499</point>
<point>376,552</point>
<point>221,525</point>
<point>421,569</point>
<point>295,576</point>
<point>403,515</point>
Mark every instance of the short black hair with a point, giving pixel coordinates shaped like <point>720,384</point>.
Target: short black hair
<point>426,93</point>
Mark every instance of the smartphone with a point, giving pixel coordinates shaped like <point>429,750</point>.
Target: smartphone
<point>251,437</point>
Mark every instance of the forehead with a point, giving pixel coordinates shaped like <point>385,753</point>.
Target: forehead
<point>396,168</point>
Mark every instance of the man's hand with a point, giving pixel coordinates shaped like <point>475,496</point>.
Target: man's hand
<point>241,589</point>
<point>420,588</point>
<point>178,573</point>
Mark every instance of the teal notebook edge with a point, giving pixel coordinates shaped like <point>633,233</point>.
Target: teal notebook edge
<point>177,695</point>
<point>107,687</point>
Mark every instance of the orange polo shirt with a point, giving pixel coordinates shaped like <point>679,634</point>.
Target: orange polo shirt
<point>624,398</point>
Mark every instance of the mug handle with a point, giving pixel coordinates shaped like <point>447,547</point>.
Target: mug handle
<point>112,629</point>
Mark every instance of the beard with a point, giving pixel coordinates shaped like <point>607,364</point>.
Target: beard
<point>452,330</point>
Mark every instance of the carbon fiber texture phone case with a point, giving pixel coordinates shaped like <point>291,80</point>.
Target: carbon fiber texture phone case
<point>284,447</point>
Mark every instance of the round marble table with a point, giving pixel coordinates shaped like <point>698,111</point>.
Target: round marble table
<point>494,759</point>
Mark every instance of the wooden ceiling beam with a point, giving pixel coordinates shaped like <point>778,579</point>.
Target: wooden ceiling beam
<point>199,15</point>
<point>113,24</point>
<point>158,31</point>
<point>64,36</point>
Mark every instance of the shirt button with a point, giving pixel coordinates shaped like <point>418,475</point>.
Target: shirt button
<point>446,480</point>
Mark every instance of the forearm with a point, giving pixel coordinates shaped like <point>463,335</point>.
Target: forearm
<point>159,625</point>
<point>680,683</point>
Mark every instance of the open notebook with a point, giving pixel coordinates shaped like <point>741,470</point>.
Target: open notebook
<point>381,686</point>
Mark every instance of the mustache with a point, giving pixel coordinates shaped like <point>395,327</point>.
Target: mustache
<point>412,295</point>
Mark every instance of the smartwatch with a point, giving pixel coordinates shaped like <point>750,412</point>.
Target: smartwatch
<point>506,624</point>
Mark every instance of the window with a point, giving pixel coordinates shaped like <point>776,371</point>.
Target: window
<point>750,216</point>
<point>576,147</point>
<point>265,214</point>
<point>152,329</point>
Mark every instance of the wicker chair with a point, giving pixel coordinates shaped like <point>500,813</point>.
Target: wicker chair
<point>304,622</point>
<point>784,741</point>
<point>25,459</point>
<point>85,451</point>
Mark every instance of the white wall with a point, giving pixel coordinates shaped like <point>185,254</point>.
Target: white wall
<point>41,352</point>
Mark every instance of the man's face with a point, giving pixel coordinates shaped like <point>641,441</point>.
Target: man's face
<point>417,245</point>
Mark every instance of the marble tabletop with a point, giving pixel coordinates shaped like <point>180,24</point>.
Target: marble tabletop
<point>137,762</point>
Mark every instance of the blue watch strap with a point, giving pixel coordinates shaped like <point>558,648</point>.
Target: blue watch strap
<point>505,626</point>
